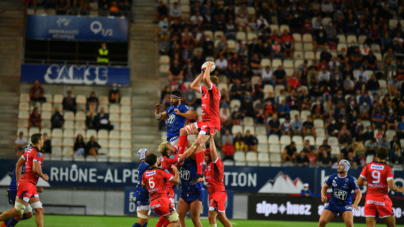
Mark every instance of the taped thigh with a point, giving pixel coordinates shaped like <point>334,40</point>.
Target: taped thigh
<point>172,217</point>
<point>189,129</point>
<point>28,209</point>
<point>20,207</point>
<point>36,205</point>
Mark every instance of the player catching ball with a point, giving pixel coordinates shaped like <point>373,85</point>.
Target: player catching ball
<point>155,181</point>
<point>340,204</point>
<point>379,177</point>
<point>214,176</point>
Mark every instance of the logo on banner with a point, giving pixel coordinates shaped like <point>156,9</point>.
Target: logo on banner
<point>282,184</point>
<point>96,27</point>
<point>288,208</point>
<point>62,21</point>
<point>75,74</point>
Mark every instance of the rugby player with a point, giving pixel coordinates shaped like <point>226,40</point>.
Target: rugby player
<point>141,195</point>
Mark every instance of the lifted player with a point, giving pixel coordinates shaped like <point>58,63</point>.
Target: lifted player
<point>177,115</point>
<point>155,181</point>
<point>379,177</point>
<point>210,117</point>
<point>26,191</point>
<point>141,195</point>
<point>214,176</point>
<point>340,204</point>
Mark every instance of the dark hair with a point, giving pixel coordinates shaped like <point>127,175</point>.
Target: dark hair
<point>35,138</point>
<point>176,93</point>
<point>77,138</point>
<point>151,159</point>
<point>214,80</point>
<point>382,153</point>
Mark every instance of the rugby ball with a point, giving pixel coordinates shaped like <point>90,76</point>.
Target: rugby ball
<point>206,64</point>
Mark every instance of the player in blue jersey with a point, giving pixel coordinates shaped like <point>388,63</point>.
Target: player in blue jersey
<point>177,115</point>
<point>12,194</point>
<point>341,202</point>
<point>142,195</point>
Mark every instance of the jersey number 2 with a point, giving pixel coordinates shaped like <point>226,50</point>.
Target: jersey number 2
<point>376,176</point>
<point>151,183</point>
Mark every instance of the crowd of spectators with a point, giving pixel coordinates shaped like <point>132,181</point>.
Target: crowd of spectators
<point>355,93</point>
<point>96,118</point>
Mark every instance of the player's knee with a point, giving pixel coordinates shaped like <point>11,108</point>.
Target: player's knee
<point>183,132</point>
<point>181,215</point>
<point>28,215</point>
<point>323,221</point>
<point>39,211</point>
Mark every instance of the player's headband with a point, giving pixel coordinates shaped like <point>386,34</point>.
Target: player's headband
<point>207,152</point>
<point>174,96</point>
<point>142,153</point>
<point>346,164</point>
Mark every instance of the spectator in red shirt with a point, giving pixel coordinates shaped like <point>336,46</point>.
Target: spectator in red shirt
<point>228,150</point>
<point>293,82</point>
<point>35,119</point>
<point>36,93</point>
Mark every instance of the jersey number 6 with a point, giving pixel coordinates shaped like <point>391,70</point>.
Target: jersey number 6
<point>151,183</point>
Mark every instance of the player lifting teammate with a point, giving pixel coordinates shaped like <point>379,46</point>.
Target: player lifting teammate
<point>141,195</point>
<point>155,180</point>
<point>177,115</point>
<point>26,191</point>
<point>214,176</point>
<point>210,117</point>
<point>340,204</point>
<point>379,177</point>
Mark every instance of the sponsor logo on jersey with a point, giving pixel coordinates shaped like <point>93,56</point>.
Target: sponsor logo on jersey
<point>185,174</point>
<point>171,119</point>
<point>377,167</point>
<point>346,180</point>
<point>166,171</point>
<point>348,208</point>
<point>156,206</point>
<point>345,186</point>
<point>150,173</point>
<point>334,184</point>
<point>377,203</point>
<point>340,194</point>
<point>39,154</point>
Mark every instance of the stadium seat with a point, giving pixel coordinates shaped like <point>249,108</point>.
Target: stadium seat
<point>125,100</point>
<point>126,153</point>
<point>22,114</point>
<point>263,157</point>
<point>126,118</point>
<point>56,142</point>
<point>251,156</point>
<point>298,46</point>
<point>333,141</point>
<point>318,123</point>
<point>298,140</point>
<point>47,107</point>
<point>33,130</point>
<point>335,150</point>
<point>297,37</point>
<point>126,109</point>
<point>251,11</point>
<point>248,121</point>
<point>362,38</point>
<point>275,157</point>
<point>81,99</point>
<point>104,143</point>
<point>164,69</point>
<point>298,55</point>
<point>102,134</point>
<point>308,47</point>
<point>341,45</point>
<point>222,86</point>
<point>320,132</point>
<point>67,151</point>
<point>164,59</point>
<point>268,88</point>
<point>80,132</point>
<point>341,38</point>
<point>114,108</point>
<point>114,144</point>
<point>57,133</point>
<point>276,63</point>
<point>236,128</point>
<point>105,107</point>
<point>80,116</point>
<point>287,63</point>
<point>249,128</point>
<point>278,89</point>
<point>49,98</point>
<point>310,139</point>
<point>285,139</point>
<point>103,100</point>
<point>114,117</point>
<point>262,139</point>
<point>307,38</point>
<point>309,55</point>
<point>393,23</point>
<point>390,134</point>
<point>239,156</point>
<point>68,133</point>
<point>126,135</point>
<point>23,123</point>
<point>231,44</point>
<point>23,106</point>
<point>37,105</point>
<point>251,36</point>
<point>24,97</point>
<point>273,139</point>
<point>58,98</point>
<point>124,126</point>
<point>304,114</point>
<point>293,113</point>
<point>228,162</point>
<point>241,36</point>
<point>80,125</point>
<point>369,159</point>
<point>23,130</point>
<point>218,34</point>
<point>68,125</point>
<point>274,27</point>
<point>274,148</point>
<point>126,144</point>
<point>113,152</point>
<point>114,134</point>
<point>68,116</point>
<point>326,20</point>
<point>90,133</point>
<point>260,130</point>
<point>47,131</point>
<point>265,62</point>
<point>262,148</point>
<point>376,48</point>
<point>56,151</point>
<point>351,38</point>
<point>68,142</point>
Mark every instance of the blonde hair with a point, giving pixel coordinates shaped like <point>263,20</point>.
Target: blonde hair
<point>162,148</point>
<point>214,79</point>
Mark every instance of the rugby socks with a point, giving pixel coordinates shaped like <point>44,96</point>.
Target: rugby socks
<point>182,144</point>
<point>199,162</point>
<point>12,223</point>
<point>137,225</point>
<point>166,223</point>
<point>161,221</point>
<point>213,225</point>
<point>145,225</point>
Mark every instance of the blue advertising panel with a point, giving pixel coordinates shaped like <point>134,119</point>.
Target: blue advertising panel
<point>130,202</point>
<point>75,74</point>
<point>77,28</point>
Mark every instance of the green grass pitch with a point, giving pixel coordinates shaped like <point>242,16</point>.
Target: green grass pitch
<point>102,221</point>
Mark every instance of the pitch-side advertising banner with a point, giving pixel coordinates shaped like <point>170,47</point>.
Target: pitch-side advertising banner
<point>75,74</point>
<point>267,207</point>
<point>77,28</point>
<point>130,202</point>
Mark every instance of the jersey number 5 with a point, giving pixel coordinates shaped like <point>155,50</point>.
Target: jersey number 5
<point>376,176</point>
<point>151,182</point>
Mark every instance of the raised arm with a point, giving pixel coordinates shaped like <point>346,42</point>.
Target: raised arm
<point>206,75</point>
<point>159,115</point>
<point>213,152</point>
<point>190,114</point>
<point>176,178</point>
<point>189,152</point>
<point>195,84</point>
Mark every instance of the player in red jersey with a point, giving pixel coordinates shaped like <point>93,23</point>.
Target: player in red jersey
<point>214,176</point>
<point>379,178</point>
<point>210,117</point>
<point>26,188</point>
<point>155,181</point>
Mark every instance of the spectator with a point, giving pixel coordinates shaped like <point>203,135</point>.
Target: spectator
<point>317,111</point>
<point>274,126</point>
<point>394,85</point>
<point>175,73</point>
<point>332,128</point>
<point>349,85</point>
<point>35,119</point>
<point>297,126</point>
<point>289,153</point>
<point>308,127</point>
<point>356,58</point>
<point>255,64</point>
<point>57,119</point>
<point>312,158</point>
<point>21,142</point>
<point>325,160</point>
<point>228,150</point>
<point>287,126</point>
<point>362,73</point>
<point>103,121</point>
<point>267,76</point>
<point>103,54</point>
<point>280,76</point>
<point>293,82</point>
<point>370,147</point>
<point>378,118</point>
<point>79,146</point>
<point>250,142</point>
<point>384,143</point>
<point>69,103</point>
<point>307,148</point>
<point>398,43</point>
<point>92,102</point>
<point>114,95</point>
<point>301,159</point>
<point>242,21</point>
<point>175,12</point>
<point>224,117</point>
<point>91,120</point>
<point>283,109</point>
<point>221,65</point>
<point>396,156</point>
<point>92,147</point>
<point>226,136</point>
<point>344,135</point>
<point>345,151</point>
<point>36,93</point>
<point>354,160</point>
<point>190,98</point>
<point>276,50</point>
<point>305,191</point>
<point>236,90</point>
<point>47,146</point>
<point>162,12</point>
<point>400,128</point>
<point>305,100</point>
<point>325,146</point>
<point>260,117</point>
<point>239,142</point>
<point>246,107</point>
<point>247,89</point>
<point>371,62</point>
